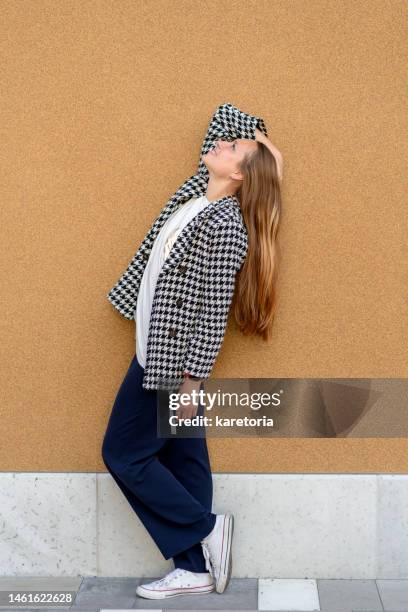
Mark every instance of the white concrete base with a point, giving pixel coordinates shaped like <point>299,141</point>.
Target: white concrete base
<point>288,594</point>
<point>303,526</point>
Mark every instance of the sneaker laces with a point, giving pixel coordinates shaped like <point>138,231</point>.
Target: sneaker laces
<point>209,561</point>
<point>166,579</point>
<point>206,554</point>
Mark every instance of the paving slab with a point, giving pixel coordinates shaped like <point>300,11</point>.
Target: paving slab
<point>44,584</point>
<point>349,595</point>
<point>101,592</point>
<point>394,594</point>
<point>288,593</point>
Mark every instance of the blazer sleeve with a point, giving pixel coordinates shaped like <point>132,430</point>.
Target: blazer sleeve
<point>228,123</point>
<point>227,252</point>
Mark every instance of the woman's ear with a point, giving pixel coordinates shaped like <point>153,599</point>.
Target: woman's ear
<point>237,175</point>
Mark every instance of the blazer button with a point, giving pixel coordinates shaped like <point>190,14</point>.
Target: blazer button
<point>179,302</point>
<point>182,269</point>
<point>172,332</point>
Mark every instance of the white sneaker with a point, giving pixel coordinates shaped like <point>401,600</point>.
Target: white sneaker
<point>217,550</point>
<point>177,582</point>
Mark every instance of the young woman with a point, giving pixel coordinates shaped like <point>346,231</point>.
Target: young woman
<point>215,240</point>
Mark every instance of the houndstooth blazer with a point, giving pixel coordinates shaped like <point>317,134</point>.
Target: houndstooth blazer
<point>196,284</point>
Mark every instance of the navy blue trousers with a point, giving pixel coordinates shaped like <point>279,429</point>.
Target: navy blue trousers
<point>167,481</point>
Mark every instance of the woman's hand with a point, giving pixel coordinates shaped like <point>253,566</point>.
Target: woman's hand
<point>187,411</point>
<point>260,137</point>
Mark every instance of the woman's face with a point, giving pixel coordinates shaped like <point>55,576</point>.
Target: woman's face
<point>224,158</point>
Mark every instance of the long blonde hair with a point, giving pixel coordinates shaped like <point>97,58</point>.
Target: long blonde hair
<point>255,295</point>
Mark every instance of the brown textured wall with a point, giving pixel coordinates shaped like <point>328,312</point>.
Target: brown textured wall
<point>104,107</point>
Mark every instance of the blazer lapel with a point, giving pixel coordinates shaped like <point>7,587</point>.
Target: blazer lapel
<point>195,186</point>
<point>190,233</point>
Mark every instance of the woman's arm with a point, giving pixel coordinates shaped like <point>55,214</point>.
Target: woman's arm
<point>228,123</point>
<point>260,137</point>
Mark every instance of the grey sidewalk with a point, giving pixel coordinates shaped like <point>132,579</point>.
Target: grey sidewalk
<point>94,594</point>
